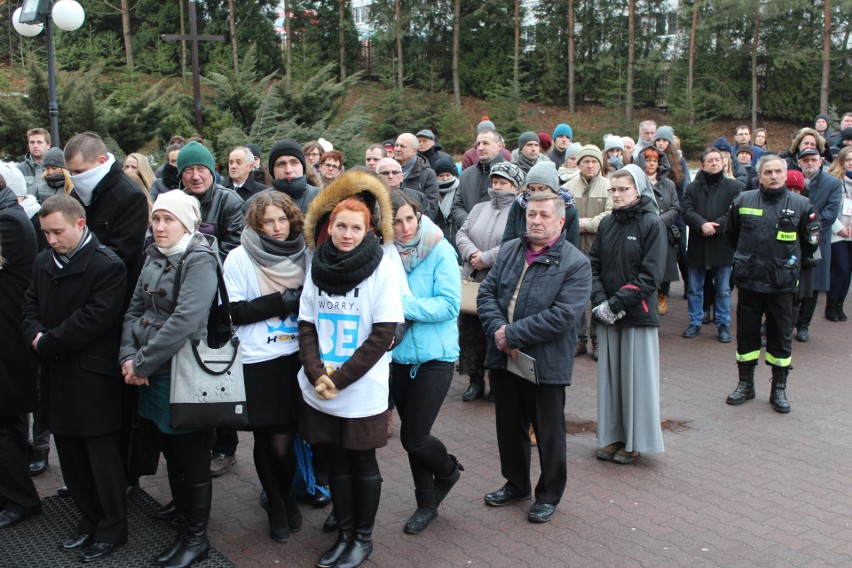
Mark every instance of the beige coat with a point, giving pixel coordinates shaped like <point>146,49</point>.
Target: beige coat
<point>593,202</point>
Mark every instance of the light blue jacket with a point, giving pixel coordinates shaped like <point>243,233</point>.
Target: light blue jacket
<point>434,308</point>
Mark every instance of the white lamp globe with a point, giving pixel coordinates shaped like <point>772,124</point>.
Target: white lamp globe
<point>26,30</point>
<point>68,15</point>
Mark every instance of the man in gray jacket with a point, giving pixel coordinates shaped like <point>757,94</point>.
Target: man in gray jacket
<point>38,143</point>
<point>530,303</point>
<point>476,180</point>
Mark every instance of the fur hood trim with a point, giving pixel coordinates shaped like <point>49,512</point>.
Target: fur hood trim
<point>364,184</point>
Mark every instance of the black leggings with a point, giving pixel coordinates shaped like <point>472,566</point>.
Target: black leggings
<point>188,455</point>
<point>418,401</point>
<point>275,462</point>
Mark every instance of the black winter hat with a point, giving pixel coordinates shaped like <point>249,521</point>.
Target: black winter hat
<point>443,165</point>
<point>286,147</point>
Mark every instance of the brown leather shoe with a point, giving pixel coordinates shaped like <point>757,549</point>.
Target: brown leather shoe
<point>663,303</point>
<point>533,441</point>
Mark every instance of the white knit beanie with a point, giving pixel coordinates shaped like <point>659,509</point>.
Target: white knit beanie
<point>14,179</point>
<point>184,207</point>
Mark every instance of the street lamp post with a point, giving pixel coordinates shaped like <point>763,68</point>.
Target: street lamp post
<point>28,21</point>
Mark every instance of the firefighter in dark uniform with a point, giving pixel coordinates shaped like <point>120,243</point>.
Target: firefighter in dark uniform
<point>771,230</point>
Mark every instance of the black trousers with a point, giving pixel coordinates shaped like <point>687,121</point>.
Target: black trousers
<point>751,306</point>
<point>226,441</point>
<point>518,402</point>
<point>418,401</point>
<point>94,472</point>
<point>16,485</point>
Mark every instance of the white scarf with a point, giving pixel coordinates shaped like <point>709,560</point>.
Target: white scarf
<point>177,248</point>
<point>86,182</point>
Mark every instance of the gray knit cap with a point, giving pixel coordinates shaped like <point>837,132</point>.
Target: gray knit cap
<point>612,143</point>
<point>485,125</point>
<point>526,138</point>
<point>665,133</point>
<point>509,171</point>
<point>573,149</point>
<point>53,157</point>
<point>545,174</point>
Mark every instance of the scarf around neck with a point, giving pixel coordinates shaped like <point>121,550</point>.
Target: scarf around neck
<point>63,259</point>
<point>280,265</point>
<point>177,248</point>
<point>336,273</point>
<point>414,251</point>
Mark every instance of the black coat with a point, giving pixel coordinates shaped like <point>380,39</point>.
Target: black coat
<point>702,203</point>
<point>628,260</point>
<point>666,194</point>
<point>79,310</point>
<point>18,249</point>
<point>118,216</point>
<point>422,178</point>
<point>249,189</point>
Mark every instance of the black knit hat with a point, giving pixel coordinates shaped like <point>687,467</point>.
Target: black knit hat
<point>444,165</point>
<point>286,147</point>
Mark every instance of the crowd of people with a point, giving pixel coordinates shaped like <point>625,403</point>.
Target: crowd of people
<point>356,289</point>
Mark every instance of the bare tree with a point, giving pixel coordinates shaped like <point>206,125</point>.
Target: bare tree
<point>571,62</point>
<point>124,9</point>
<point>826,60</point>
<point>288,43</point>
<point>400,74</point>
<point>517,42</point>
<point>631,59</point>
<point>456,30</point>
<point>341,36</point>
<point>690,81</point>
<point>755,42</point>
<point>233,36</point>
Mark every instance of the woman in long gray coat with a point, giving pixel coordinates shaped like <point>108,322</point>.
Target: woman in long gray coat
<point>627,267</point>
<point>155,328</point>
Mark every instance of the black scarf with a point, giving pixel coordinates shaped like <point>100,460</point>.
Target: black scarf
<point>295,187</point>
<point>336,273</point>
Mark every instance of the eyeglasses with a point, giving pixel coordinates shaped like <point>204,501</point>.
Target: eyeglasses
<point>619,189</point>
<point>532,188</point>
<point>313,154</point>
<point>331,166</point>
<point>388,173</point>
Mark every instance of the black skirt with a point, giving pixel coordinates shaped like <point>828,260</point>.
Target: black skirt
<point>273,395</point>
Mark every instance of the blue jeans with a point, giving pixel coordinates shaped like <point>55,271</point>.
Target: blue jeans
<point>722,279</point>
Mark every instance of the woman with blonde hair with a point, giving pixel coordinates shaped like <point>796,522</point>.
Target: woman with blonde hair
<point>138,164</point>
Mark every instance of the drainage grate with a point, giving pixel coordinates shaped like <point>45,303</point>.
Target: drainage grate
<point>32,544</point>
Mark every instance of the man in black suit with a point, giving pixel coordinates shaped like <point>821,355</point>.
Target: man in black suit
<point>72,318</point>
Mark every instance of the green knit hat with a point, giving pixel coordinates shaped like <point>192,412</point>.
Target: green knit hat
<point>195,154</point>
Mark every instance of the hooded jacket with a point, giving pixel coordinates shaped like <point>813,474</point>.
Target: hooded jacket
<point>628,259</point>
<point>362,184</point>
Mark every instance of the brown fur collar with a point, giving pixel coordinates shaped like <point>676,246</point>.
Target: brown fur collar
<point>351,184</point>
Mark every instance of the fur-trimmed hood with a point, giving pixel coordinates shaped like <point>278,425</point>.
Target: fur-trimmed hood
<point>359,183</point>
<point>794,146</point>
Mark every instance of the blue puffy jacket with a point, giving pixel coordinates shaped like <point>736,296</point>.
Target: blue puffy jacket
<point>433,307</point>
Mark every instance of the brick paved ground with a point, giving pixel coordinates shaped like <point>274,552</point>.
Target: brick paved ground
<point>737,486</point>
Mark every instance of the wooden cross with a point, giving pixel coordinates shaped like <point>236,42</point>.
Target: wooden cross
<point>196,78</point>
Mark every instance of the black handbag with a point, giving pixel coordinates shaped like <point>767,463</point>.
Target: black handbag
<point>207,385</point>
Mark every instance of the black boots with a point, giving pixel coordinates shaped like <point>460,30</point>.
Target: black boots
<point>745,388</point>
<point>778,395</point>
<point>193,544</point>
<point>427,511</point>
<point>476,388</point>
<point>368,492</point>
<point>342,499</point>
<point>444,483</point>
<point>831,311</point>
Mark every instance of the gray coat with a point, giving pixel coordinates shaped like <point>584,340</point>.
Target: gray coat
<point>666,195</point>
<point>551,300</point>
<point>151,347</point>
<point>34,176</point>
